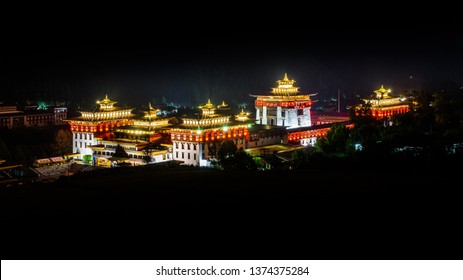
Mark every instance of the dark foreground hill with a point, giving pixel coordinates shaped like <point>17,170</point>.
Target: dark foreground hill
<point>190,213</point>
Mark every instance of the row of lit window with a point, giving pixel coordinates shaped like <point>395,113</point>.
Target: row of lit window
<point>183,155</point>
<point>44,118</point>
<point>206,121</point>
<point>316,133</point>
<point>187,144</point>
<point>214,136</point>
<point>99,128</point>
<point>381,113</point>
<point>80,144</point>
<point>79,135</point>
<point>106,114</point>
<point>285,89</point>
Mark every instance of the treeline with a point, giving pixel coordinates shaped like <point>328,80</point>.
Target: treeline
<point>430,135</point>
<point>26,144</point>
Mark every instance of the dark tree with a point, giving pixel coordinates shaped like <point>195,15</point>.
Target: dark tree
<point>275,162</point>
<point>226,154</point>
<point>299,158</point>
<point>63,142</point>
<point>336,140</point>
<point>244,161</point>
<point>120,152</point>
<point>19,155</point>
<point>4,152</point>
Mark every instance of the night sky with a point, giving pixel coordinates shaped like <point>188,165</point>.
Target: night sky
<point>186,64</point>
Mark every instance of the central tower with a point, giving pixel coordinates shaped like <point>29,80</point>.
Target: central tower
<point>286,106</point>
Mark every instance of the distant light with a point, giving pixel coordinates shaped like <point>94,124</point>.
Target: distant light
<point>225,128</point>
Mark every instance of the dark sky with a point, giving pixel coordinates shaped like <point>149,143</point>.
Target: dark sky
<point>189,63</point>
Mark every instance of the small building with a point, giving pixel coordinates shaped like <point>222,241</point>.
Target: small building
<point>139,152</point>
<point>320,118</point>
<point>384,105</point>
<point>307,136</point>
<point>12,117</point>
<point>264,135</point>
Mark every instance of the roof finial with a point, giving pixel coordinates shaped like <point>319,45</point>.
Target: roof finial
<point>106,96</point>
<point>286,77</point>
<point>208,101</point>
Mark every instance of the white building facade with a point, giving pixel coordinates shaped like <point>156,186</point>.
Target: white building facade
<point>97,124</point>
<point>196,141</point>
<point>285,107</point>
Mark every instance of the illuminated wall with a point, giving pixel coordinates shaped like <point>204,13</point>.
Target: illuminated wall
<point>198,147</point>
<point>285,107</point>
<point>188,152</point>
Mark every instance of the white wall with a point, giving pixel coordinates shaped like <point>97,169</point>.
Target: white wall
<point>80,141</point>
<point>188,152</point>
<point>308,141</point>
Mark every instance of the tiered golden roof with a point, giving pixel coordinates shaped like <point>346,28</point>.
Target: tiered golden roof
<point>208,108</point>
<point>285,87</point>
<point>106,104</point>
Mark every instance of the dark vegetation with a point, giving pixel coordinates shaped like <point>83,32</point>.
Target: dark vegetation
<point>26,144</point>
<point>337,212</point>
<point>430,135</point>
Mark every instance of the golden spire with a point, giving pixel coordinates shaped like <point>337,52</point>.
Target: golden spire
<point>242,116</point>
<point>286,77</point>
<point>382,92</point>
<point>223,105</point>
<point>208,105</point>
<point>106,104</point>
<point>149,106</point>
